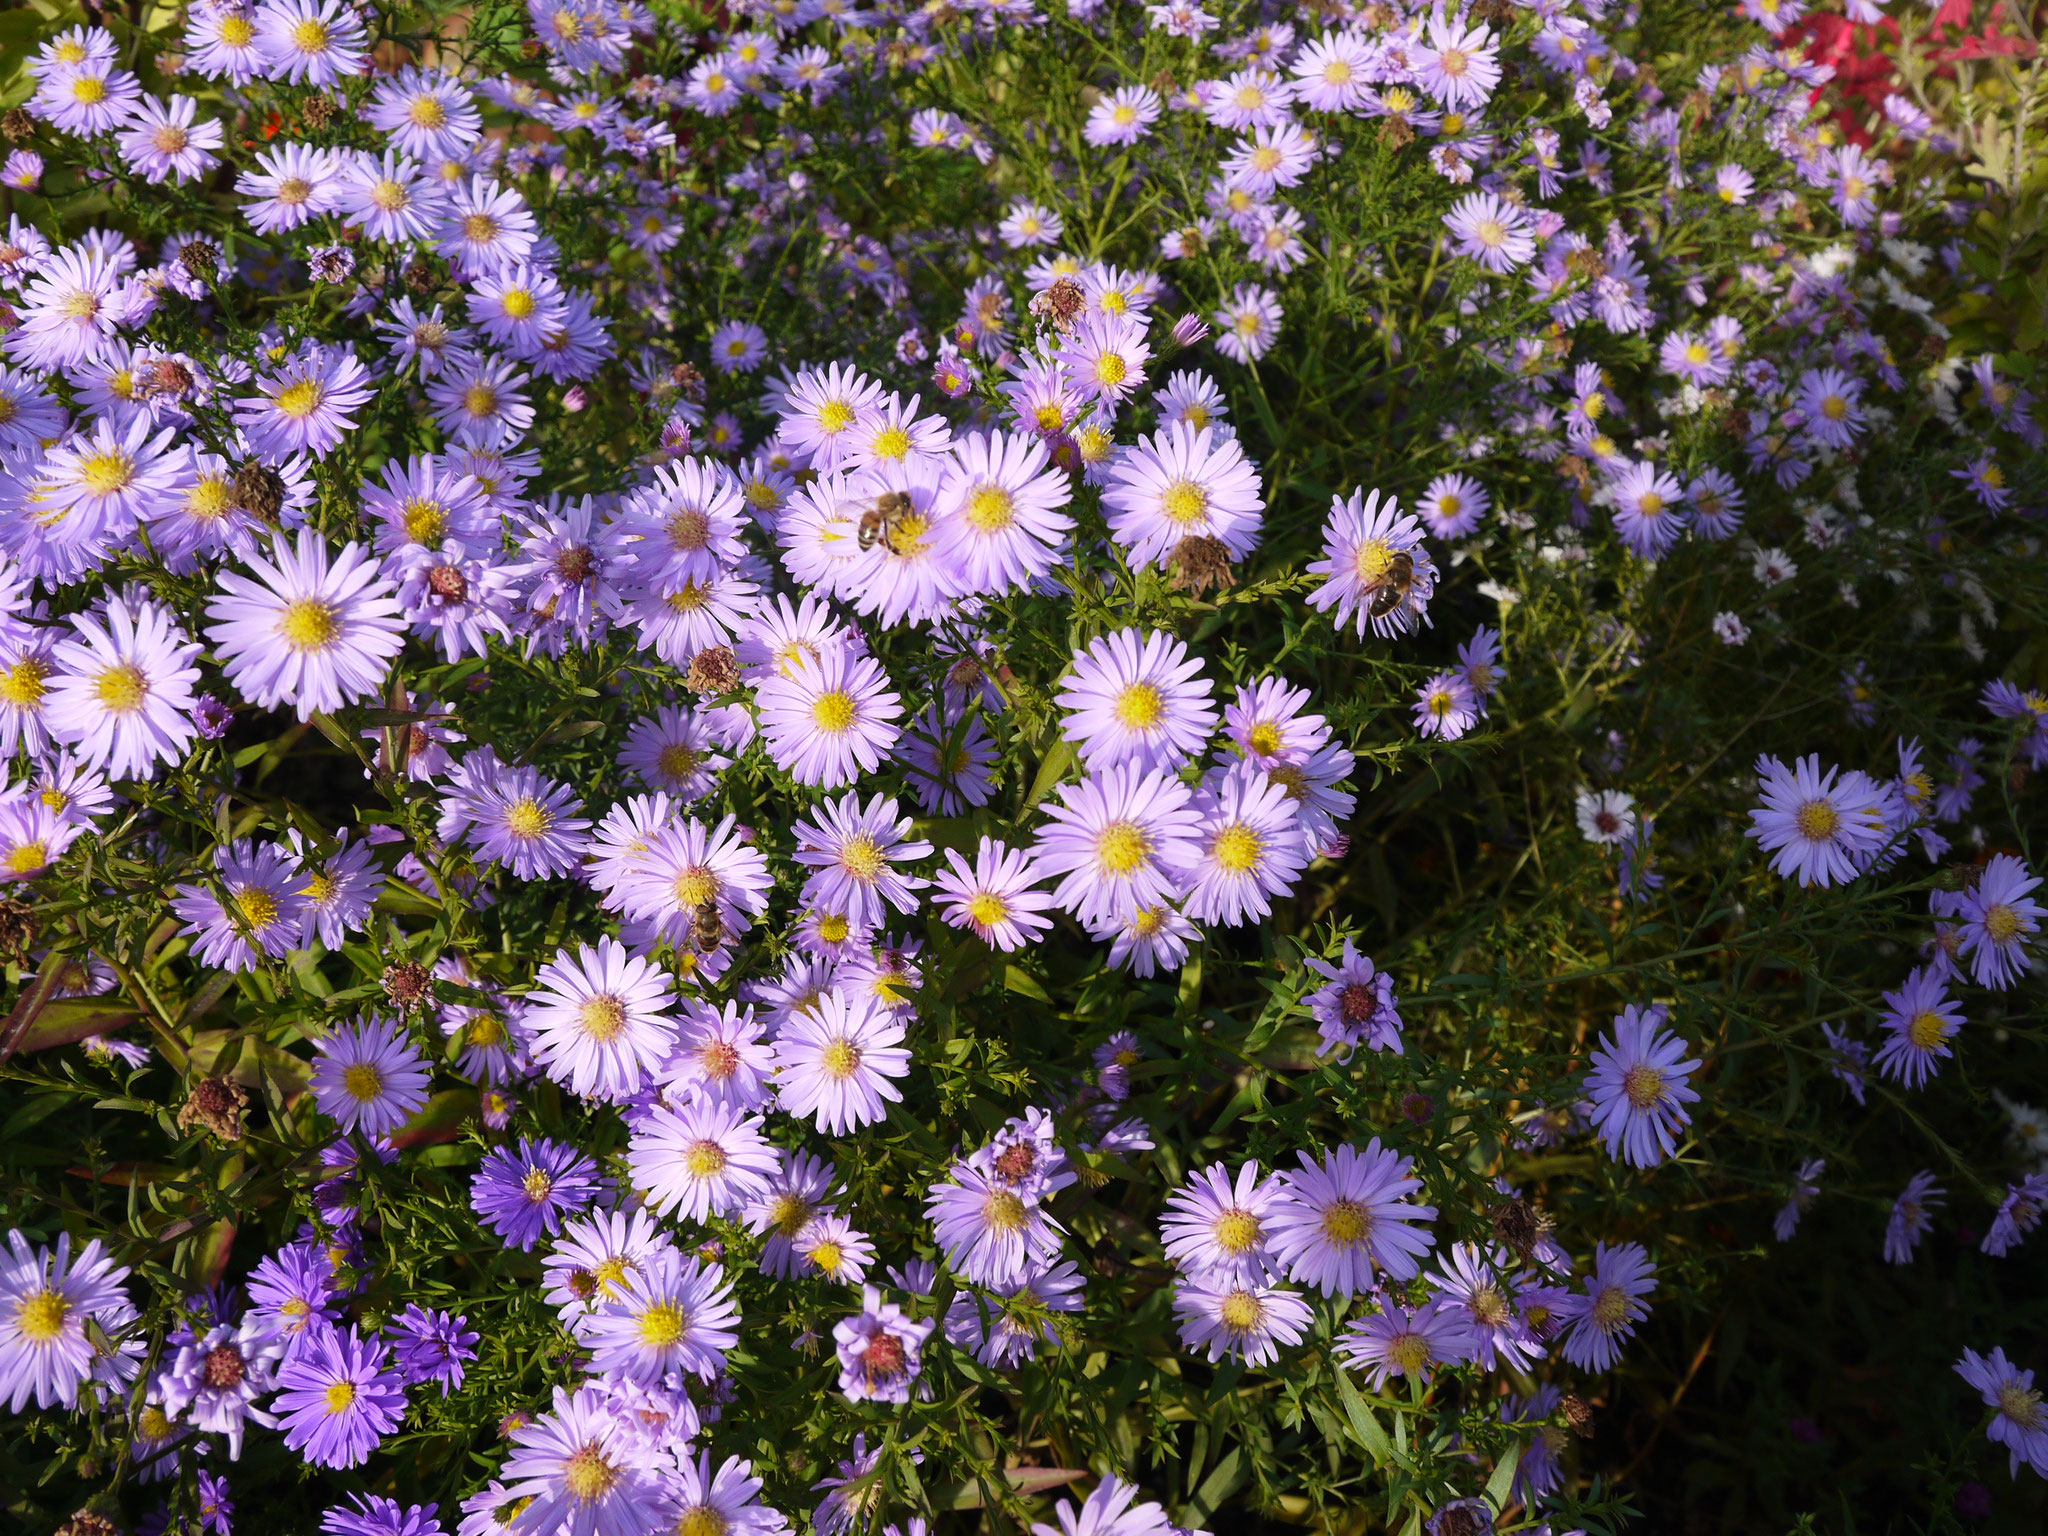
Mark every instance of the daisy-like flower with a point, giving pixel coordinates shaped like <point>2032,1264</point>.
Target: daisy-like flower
<point>1356,1003</point>
<point>1912,1217</point>
<point>999,523</point>
<point>162,140</point>
<point>1183,482</point>
<point>1413,1342</point>
<point>1336,1219</point>
<point>1248,849</point>
<point>1122,117</point>
<point>216,1376</point>
<point>2020,1423</point>
<point>820,412</point>
<point>1476,1282</point>
<point>701,1160</point>
<point>993,1229</point>
<point>1028,224</point>
<point>880,1350</point>
<point>1997,914</point>
<point>828,719</point>
<point>2018,1214</point>
<point>1120,839</point>
<point>678,1315</point>
<point>426,113</point>
<point>1374,566</point>
<point>309,632</point>
<point>1823,830</point>
<point>290,185</point>
<point>1245,1320</point>
<point>337,1397</point>
<point>368,1077</point>
<point>1221,1232</point>
<point>1599,1316</point>
<point>121,696</point>
<point>527,1192</point>
<point>1104,357</point>
<point>1805,1189</point>
<point>515,817</point>
<point>997,897</point>
<point>1445,707</point>
<point>1919,1021</point>
<point>1606,817</point>
<point>340,887</point>
<point>832,1248</point>
<point>853,853</point>
<point>259,910</point>
<point>727,1502</point>
<point>738,346</point>
<point>47,1297</point>
<point>674,751</point>
<point>32,837</point>
<point>306,405</point>
<point>317,42</point>
<point>1138,698</point>
<point>582,1470</point>
<point>1111,1510</point>
<point>1638,1088</point>
<point>598,1255</point>
<point>69,309</point>
<point>1494,233</point>
<point>835,1063</point>
<point>600,1019</point>
<point>1452,506</point>
<point>1459,65</point>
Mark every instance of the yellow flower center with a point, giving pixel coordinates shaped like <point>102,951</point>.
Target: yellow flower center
<point>2001,923</point>
<point>834,417</point>
<point>425,521</point>
<point>480,400</point>
<point>834,711</point>
<point>891,443</point>
<point>840,1059</point>
<point>1408,1354</point>
<point>89,90</point>
<point>701,1520</point>
<point>988,909</point>
<point>1004,1211</point>
<point>362,1082</point>
<point>300,400</point>
<point>519,304</point>
<point>1237,1231</point>
<point>1139,707</point>
<point>1610,1308</point>
<point>427,112</point>
<point>41,1316</point>
<point>1237,848</point>
<point>1346,1221</point>
<point>1644,1085</point>
<point>527,818</point>
<point>1110,368</point>
<point>1928,1029</point>
<point>28,858</point>
<point>1374,559</point>
<point>122,688</point>
<point>704,1159</point>
<point>2022,1405</point>
<point>1184,502</point>
<point>862,858</point>
<point>1121,847</point>
<point>310,36</point>
<point>340,1396</point>
<point>485,1029</point>
<point>23,685</point>
<point>990,509</point>
<point>587,1475</point>
<point>257,906</point>
<point>602,1017</point>
<point>1240,1312</point>
<point>1817,820</point>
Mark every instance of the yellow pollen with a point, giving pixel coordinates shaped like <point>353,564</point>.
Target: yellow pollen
<point>704,1159</point>
<point>23,685</point>
<point>340,1396</point>
<point>527,818</point>
<point>587,1475</point>
<point>1928,1029</point>
<point>427,112</point>
<point>237,31</point>
<point>1110,368</point>
<point>1408,1354</point>
<point>1817,820</point>
<point>27,859</point>
<point>310,36</point>
<point>480,400</point>
<point>891,443</point>
<point>1184,502</point>
<point>122,688</point>
<point>988,909</point>
<point>1003,1211</point>
<point>426,522</point>
<point>485,1030</point>
<point>1346,1221</point>
<point>1139,707</point>
<point>1240,1312</point>
<point>990,509</point>
<point>518,303</point>
<point>1610,1308</point>
<point>89,90</point>
<point>2021,1405</point>
<point>833,928</point>
<point>834,417</point>
<point>1835,408</point>
<point>826,1256</point>
<point>1237,848</point>
<point>2001,923</point>
<point>300,400</point>
<point>169,138</point>
<point>362,1082</point>
<point>602,1018</point>
<point>1644,1085</point>
<point>1374,559</point>
<point>479,228</point>
<point>840,1059</point>
<point>689,597</point>
<point>41,1316</point>
<point>258,908</point>
<point>862,858</point>
<point>1264,738</point>
<point>1237,1231</point>
<point>701,1520</point>
<point>1121,847</point>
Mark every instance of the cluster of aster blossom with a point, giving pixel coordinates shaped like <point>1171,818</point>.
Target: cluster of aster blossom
<point>214,506</point>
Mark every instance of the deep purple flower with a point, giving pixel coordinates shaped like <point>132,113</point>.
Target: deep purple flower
<point>521,1195</point>
<point>337,1397</point>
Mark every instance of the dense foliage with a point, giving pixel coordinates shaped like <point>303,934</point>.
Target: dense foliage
<point>1022,762</point>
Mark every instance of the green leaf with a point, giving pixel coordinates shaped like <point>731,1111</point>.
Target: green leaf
<point>1364,1426</point>
<point>1503,1478</point>
<point>1061,758</point>
<point>1024,983</point>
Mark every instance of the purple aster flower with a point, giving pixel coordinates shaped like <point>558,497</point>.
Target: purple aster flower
<point>46,1299</point>
<point>2018,1214</point>
<point>992,1229</point>
<point>1221,1232</point>
<point>307,633</point>
<point>1820,829</point>
<point>216,1509</point>
<point>701,1159</point>
<point>1111,1510</point>
<point>307,404</point>
<point>1605,1311</point>
<point>523,1194</point>
<point>600,1019</point>
<point>1476,1280</point>
<point>1245,1320</point>
<point>374,1515</point>
<point>1919,1020</point>
<point>997,897</point>
<point>829,718</point>
<point>728,1502</point>
<point>1492,232</point>
<point>881,1350</point>
<point>1997,915</point>
<point>1339,1218</point>
<point>1248,848</point>
<point>1374,566</point>
<point>677,1315</point>
<point>1445,707</point>
<point>1912,1217</point>
<point>257,911</point>
<point>1356,1005</point>
<point>121,696</point>
<point>1805,1189</point>
<point>836,1062</point>
<point>314,42</point>
<point>1120,839</point>
<point>1414,1342</point>
<point>1638,1088</point>
<point>1183,482</point>
<point>291,1292</point>
<point>583,1471</point>
<point>515,816</point>
<point>1137,698</point>
<point>337,1397</point>
<point>216,1377</point>
<point>433,1346</point>
<point>2020,1424</point>
<point>852,854</point>
<point>369,1077</point>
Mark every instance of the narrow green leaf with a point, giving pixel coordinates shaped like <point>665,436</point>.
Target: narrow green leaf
<point>1503,1478</point>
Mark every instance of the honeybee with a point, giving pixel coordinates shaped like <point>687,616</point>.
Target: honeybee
<point>878,523</point>
<point>707,927</point>
<point>1391,590</point>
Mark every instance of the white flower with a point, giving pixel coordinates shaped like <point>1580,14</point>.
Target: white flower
<point>1730,630</point>
<point>1606,816</point>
